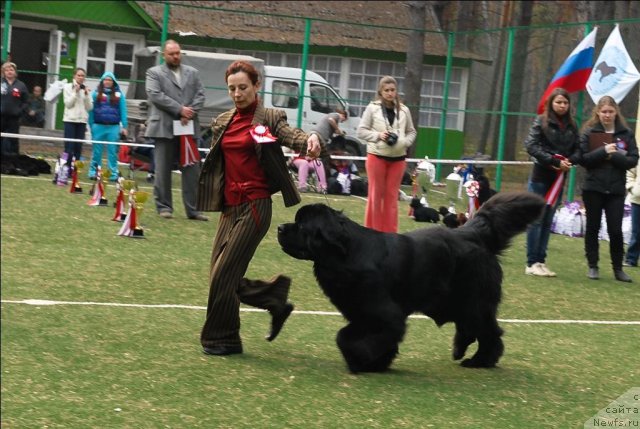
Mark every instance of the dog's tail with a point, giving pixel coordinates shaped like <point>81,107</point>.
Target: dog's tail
<point>504,216</point>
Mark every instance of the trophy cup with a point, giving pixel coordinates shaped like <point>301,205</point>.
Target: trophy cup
<point>76,169</point>
<point>453,183</point>
<point>98,189</point>
<point>425,176</point>
<point>123,187</point>
<point>131,226</point>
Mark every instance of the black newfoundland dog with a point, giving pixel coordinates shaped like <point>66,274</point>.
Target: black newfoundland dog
<point>377,279</point>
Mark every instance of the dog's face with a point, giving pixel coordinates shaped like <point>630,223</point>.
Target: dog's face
<point>415,203</point>
<point>318,233</point>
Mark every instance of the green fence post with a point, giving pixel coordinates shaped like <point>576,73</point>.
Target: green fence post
<point>505,106</point>
<point>303,77</point>
<point>445,101</point>
<point>5,32</point>
<point>165,28</point>
<point>572,172</point>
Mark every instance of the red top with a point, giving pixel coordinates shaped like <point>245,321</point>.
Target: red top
<point>245,180</point>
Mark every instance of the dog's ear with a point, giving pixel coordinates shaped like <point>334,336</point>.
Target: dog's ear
<point>330,242</point>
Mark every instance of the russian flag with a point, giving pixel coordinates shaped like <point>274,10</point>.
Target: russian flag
<point>575,70</point>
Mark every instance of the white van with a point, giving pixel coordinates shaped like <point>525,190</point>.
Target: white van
<point>280,89</point>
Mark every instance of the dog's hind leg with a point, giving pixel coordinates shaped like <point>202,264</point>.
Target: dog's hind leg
<point>461,341</point>
<point>490,345</point>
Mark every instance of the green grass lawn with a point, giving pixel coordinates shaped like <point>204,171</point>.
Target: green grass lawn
<point>99,366</point>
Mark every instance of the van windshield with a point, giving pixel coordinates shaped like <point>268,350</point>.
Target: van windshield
<point>324,100</point>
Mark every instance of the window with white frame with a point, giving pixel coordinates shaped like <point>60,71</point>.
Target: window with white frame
<point>102,51</point>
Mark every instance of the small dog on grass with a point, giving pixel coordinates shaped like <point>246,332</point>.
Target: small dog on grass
<point>422,213</point>
<point>452,220</point>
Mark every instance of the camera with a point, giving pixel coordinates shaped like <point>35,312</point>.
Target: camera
<point>392,138</point>
<point>82,86</point>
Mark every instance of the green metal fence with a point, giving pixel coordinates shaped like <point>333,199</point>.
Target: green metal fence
<point>469,83</point>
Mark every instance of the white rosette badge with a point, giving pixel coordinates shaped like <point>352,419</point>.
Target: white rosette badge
<point>261,134</point>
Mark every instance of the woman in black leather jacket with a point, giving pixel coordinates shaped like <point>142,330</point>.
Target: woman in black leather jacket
<point>608,149</point>
<point>553,144</point>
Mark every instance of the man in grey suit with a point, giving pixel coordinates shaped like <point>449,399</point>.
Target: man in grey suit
<point>175,92</point>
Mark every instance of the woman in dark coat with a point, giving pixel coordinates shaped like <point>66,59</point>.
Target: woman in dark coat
<point>608,149</point>
<point>553,145</point>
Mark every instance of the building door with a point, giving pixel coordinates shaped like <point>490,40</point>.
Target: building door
<point>27,49</point>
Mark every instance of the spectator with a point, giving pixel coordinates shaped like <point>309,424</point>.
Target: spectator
<point>108,121</point>
<point>14,105</point>
<point>633,186</point>
<point>608,149</point>
<point>77,105</point>
<point>387,128</point>
<point>34,117</point>
<point>244,167</point>
<point>175,94</point>
<point>553,144</point>
<point>329,125</point>
<point>304,165</point>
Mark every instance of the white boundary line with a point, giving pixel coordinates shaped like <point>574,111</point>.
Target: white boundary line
<point>43,302</point>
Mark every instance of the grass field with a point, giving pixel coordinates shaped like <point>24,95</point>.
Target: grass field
<point>89,363</point>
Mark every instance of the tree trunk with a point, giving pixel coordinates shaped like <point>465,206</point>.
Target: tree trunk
<point>518,69</point>
<point>497,84</point>
<point>415,55</point>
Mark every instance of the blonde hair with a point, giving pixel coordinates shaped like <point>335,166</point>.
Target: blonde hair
<point>10,64</point>
<point>386,80</point>
<point>605,100</point>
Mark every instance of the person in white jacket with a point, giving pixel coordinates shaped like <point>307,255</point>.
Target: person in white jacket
<point>77,105</point>
<point>387,128</point>
<point>633,186</point>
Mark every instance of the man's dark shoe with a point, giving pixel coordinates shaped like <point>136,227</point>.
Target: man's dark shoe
<point>622,276</point>
<point>277,321</point>
<point>593,274</point>
<point>199,217</point>
<point>222,350</point>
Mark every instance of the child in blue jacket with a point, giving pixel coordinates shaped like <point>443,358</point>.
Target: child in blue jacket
<point>108,120</point>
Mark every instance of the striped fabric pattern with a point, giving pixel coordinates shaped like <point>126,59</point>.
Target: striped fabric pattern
<point>270,156</point>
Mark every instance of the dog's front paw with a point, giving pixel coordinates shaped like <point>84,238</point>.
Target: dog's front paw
<point>474,362</point>
<point>458,352</point>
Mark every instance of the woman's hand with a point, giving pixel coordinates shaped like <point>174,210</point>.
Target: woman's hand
<point>313,146</point>
<point>610,148</point>
<point>383,136</point>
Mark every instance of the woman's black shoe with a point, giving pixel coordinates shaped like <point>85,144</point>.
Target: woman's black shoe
<point>277,321</point>
<point>222,350</point>
<point>622,276</point>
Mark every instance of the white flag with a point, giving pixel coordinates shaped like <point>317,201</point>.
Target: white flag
<point>613,73</point>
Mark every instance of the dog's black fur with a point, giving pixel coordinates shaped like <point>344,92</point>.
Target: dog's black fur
<point>23,165</point>
<point>378,279</point>
<point>484,190</point>
<point>422,213</point>
<point>452,220</point>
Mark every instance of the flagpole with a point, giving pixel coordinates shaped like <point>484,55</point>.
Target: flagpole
<point>638,118</point>
<point>573,171</point>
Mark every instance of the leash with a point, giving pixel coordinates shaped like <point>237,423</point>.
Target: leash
<point>317,163</point>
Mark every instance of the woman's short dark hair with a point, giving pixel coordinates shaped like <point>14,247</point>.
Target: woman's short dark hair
<point>243,66</point>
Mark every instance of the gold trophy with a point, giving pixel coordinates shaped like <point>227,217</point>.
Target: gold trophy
<point>123,187</point>
<point>139,198</point>
<point>77,167</point>
<point>131,226</point>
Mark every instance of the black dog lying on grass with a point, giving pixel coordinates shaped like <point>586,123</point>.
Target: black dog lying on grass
<point>378,279</point>
<point>452,220</point>
<point>422,213</point>
<point>23,165</point>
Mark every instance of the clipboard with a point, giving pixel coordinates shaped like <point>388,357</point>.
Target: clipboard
<point>597,140</point>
